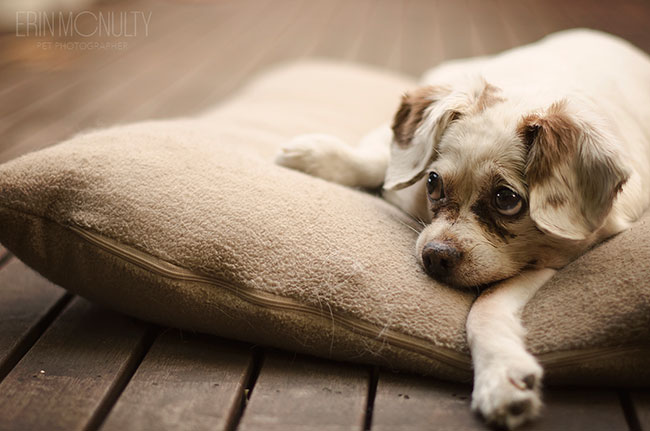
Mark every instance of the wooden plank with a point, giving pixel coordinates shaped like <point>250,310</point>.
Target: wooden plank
<point>66,68</point>
<point>550,17</point>
<point>641,401</point>
<point>422,44</point>
<point>629,19</point>
<point>181,79</point>
<point>284,33</point>
<point>520,21</point>
<point>300,393</point>
<point>454,22</point>
<point>409,403</point>
<point>28,303</point>
<point>406,403</point>
<point>486,18</point>
<point>580,409</point>
<point>300,30</point>
<point>300,34</point>
<point>147,90</point>
<point>71,376</point>
<point>382,39</point>
<point>84,99</point>
<point>186,382</point>
<point>350,20</point>
<point>190,87</point>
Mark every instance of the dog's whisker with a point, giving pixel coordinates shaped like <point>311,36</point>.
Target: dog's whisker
<point>409,226</point>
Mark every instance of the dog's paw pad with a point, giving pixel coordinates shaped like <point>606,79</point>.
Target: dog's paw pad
<point>518,408</point>
<point>531,381</point>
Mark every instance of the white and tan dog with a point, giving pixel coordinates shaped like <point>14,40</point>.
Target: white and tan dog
<point>515,164</point>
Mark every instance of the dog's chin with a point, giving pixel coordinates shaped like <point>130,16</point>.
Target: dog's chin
<point>459,281</point>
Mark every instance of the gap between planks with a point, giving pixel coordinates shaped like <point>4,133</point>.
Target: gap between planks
<point>251,376</point>
<point>28,305</point>
<point>296,392</point>
<point>83,357</point>
<point>186,382</point>
<point>119,384</point>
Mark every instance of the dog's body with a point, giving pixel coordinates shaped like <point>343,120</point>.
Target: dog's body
<point>515,164</point>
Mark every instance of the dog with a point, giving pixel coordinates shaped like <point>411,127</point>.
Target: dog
<point>515,164</point>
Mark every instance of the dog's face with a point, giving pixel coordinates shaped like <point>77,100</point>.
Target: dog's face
<point>499,189</point>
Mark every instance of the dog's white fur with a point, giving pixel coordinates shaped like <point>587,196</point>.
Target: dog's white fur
<point>473,127</point>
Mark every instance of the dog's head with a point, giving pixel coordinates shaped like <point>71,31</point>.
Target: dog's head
<point>500,187</point>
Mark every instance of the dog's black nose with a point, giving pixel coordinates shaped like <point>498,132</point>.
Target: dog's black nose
<point>440,259</point>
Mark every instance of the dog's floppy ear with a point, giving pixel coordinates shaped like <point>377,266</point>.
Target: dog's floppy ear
<point>417,127</point>
<point>574,170</point>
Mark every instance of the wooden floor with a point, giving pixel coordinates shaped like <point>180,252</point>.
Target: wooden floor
<point>68,365</point>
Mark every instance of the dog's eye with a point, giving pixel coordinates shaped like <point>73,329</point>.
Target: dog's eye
<point>507,201</point>
<point>434,186</point>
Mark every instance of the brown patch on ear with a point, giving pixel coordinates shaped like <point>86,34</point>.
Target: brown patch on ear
<point>411,111</point>
<point>488,97</point>
<point>550,138</point>
<point>574,170</point>
<point>414,104</point>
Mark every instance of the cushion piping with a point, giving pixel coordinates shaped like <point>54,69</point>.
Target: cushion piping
<point>552,361</point>
<point>274,302</point>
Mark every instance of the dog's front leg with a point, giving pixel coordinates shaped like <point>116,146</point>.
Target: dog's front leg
<point>330,158</point>
<point>507,378</point>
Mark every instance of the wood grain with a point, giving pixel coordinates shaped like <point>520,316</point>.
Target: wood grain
<point>382,39</point>
<point>406,403</point>
<point>185,382</point>
<point>287,34</point>
<point>454,22</point>
<point>350,20</point>
<point>294,392</point>
<point>106,91</point>
<point>80,361</point>
<point>488,24</point>
<point>410,403</point>
<point>66,69</point>
<point>627,20</point>
<point>580,409</point>
<point>422,44</point>
<point>28,303</point>
<point>549,15</point>
<point>521,21</point>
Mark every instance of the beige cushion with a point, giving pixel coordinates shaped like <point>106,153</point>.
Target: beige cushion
<point>189,223</point>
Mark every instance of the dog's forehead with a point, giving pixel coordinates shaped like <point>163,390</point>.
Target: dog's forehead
<point>479,148</point>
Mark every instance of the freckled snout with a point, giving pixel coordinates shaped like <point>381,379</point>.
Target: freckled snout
<point>440,259</point>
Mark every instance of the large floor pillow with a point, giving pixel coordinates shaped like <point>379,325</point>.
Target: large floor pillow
<point>189,223</point>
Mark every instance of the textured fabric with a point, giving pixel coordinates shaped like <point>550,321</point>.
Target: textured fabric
<point>189,223</point>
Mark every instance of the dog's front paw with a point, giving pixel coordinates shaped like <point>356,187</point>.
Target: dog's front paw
<point>507,394</point>
<point>320,155</point>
